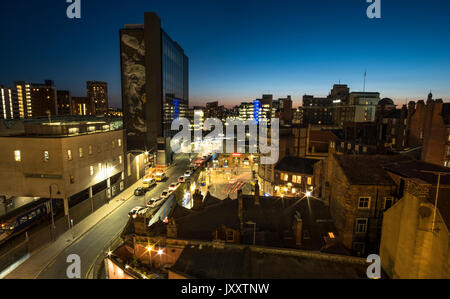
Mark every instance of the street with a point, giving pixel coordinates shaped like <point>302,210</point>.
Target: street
<point>90,245</point>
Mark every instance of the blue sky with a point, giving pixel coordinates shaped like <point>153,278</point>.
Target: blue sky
<point>239,50</point>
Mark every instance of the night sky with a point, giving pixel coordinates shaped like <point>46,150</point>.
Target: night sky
<point>239,50</point>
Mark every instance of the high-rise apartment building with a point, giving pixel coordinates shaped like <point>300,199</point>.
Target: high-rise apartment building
<point>82,106</point>
<point>64,101</point>
<point>317,111</point>
<point>97,92</point>
<point>9,106</point>
<point>36,99</point>
<point>155,88</point>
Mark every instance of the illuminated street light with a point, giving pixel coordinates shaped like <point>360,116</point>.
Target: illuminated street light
<point>308,193</point>
<point>160,251</point>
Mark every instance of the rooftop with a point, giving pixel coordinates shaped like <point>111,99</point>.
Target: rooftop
<point>367,169</point>
<point>296,165</point>
<point>244,262</point>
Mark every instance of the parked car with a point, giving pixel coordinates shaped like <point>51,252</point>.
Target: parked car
<point>181,179</point>
<point>173,186</point>
<point>134,211</point>
<point>142,211</point>
<point>160,176</point>
<point>155,202</point>
<point>149,182</point>
<point>140,191</point>
<point>187,173</point>
<point>165,194</point>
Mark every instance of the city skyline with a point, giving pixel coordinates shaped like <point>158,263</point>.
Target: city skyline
<point>267,49</point>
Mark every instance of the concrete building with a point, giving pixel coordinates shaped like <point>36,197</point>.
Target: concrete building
<point>391,125</point>
<point>64,101</point>
<point>155,77</point>
<point>71,159</point>
<point>36,99</point>
<point>97,92</point>
<point>9,105</point>
<point>317,111</point>
<point>82,106</point>
<point>415,238</point>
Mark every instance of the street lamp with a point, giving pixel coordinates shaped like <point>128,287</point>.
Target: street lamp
<point>51,204</point>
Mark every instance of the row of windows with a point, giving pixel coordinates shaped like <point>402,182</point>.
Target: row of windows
<point>364,202</point>
<point>296,179</point>
<point>46,154</point>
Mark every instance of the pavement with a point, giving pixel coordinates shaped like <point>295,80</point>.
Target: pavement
<point>227,183</point>
<point>89,238</point>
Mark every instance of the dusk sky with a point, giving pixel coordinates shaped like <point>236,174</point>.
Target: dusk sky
<point>239,49</point>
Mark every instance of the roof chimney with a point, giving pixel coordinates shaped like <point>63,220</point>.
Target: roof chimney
<point>257,193</point>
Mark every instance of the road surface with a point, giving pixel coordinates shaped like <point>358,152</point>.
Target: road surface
<point>94,241</point>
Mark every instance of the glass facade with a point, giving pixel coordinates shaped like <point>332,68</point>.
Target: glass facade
<point>174,82</point>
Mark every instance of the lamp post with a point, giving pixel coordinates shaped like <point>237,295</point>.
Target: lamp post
<point>254,230</point>
<point>51,206</point>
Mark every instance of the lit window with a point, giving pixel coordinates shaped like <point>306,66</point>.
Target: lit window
<point>17,156</point>
<point>112,144</point>
<point>90,149</point>
<point>72,179</point>
<point>80,151</point>
<point>361,225</point>
<point>69,155</point>
<point>364,203</point>
<point>120,159</point>
<point>99,166</point>
<point>91,170</point>
<point>46,156</point>
<point>119,142</point>
<point>309,181</point>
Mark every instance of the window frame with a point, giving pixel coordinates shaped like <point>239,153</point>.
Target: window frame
<point>368,203</point>
<point>366,225</point>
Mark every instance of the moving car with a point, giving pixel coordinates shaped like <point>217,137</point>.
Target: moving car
<point>173,186</point>
<point>134,211</point>
<point>140,191</point>
<point>181,179</point>
<point>160,176</point>
<point>187,173</point>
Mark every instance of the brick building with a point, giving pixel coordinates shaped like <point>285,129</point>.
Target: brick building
<point>357,190</point>
<point>429,127</point>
